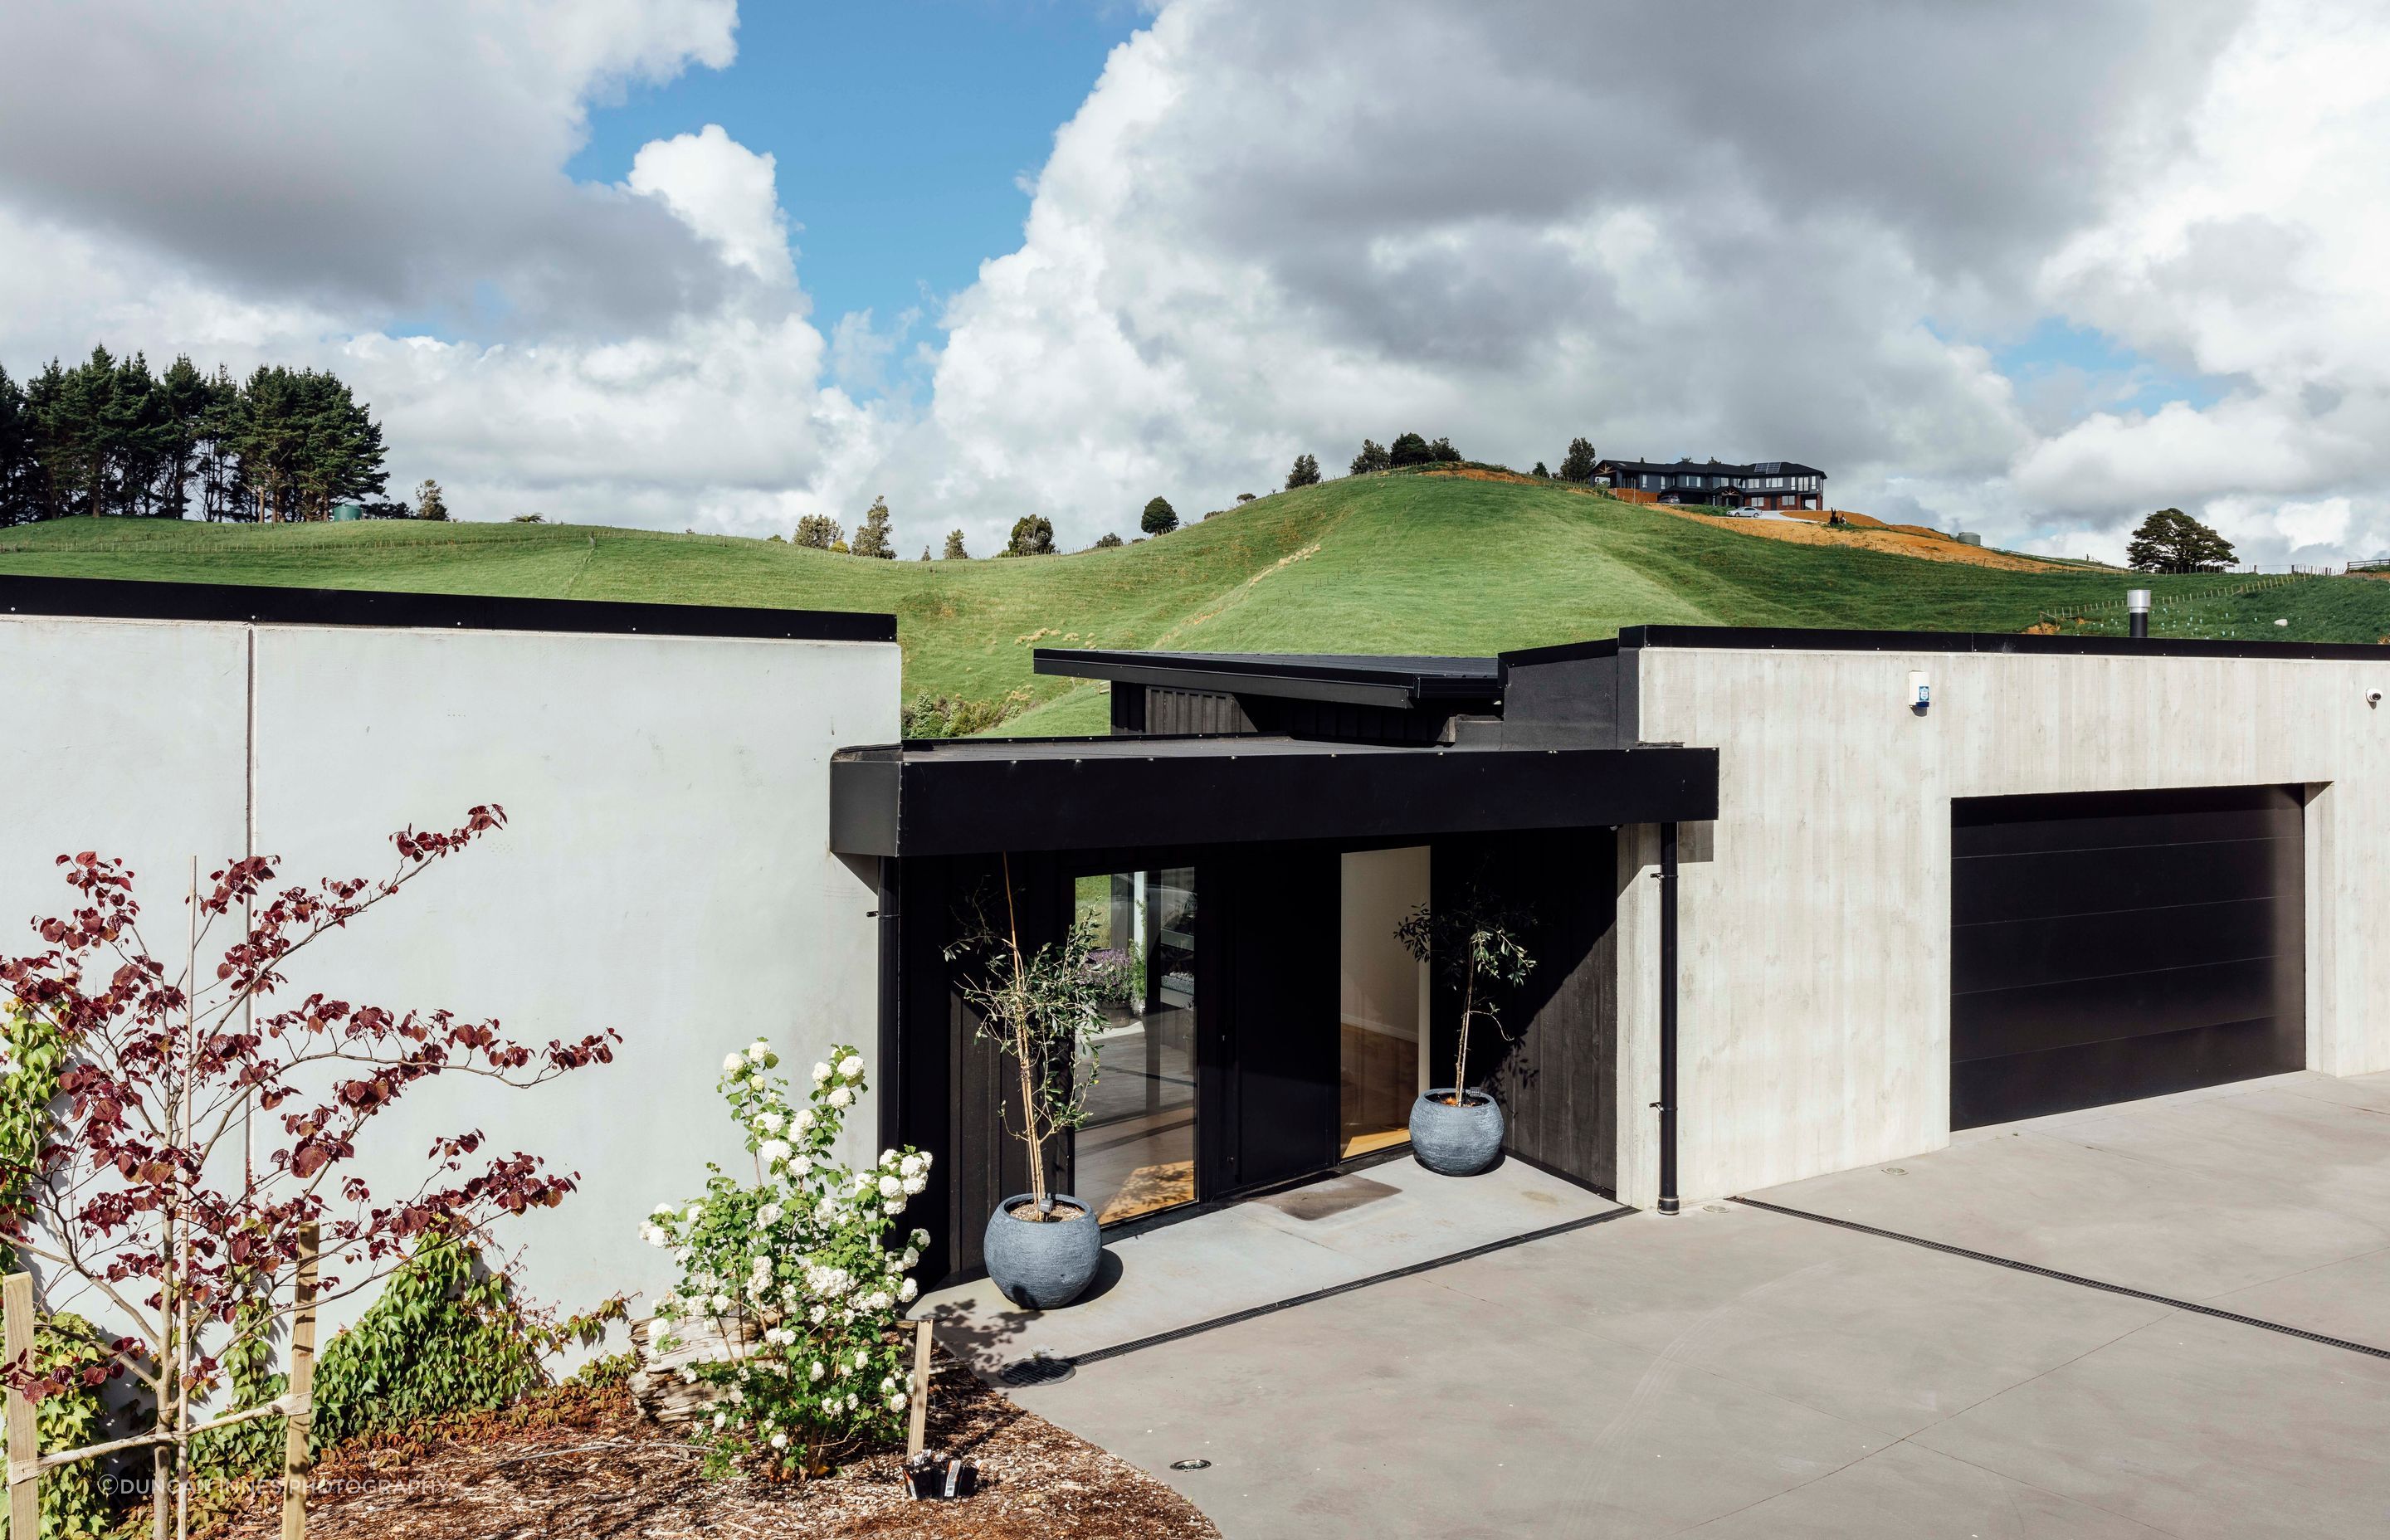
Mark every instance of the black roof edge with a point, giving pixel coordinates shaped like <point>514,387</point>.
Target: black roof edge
<point>1797,638</point>
<point>139,599</point>
<point>1259,674</point>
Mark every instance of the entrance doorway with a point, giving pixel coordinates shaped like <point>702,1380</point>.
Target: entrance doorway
<point>1135,1153</point>
<point>1381,1005</point>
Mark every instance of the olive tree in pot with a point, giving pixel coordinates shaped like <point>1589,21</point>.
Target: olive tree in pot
<point>1041,1007</point>
<point>1455,1131</point>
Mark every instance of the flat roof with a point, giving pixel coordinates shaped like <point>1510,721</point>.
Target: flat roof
<point>138,600</point>
<point>977,796</point>
<point>1360,679</point>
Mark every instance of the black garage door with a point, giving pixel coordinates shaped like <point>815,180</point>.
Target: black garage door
<point>2122,944</point>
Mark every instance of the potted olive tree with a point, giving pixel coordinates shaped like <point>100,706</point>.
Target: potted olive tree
<point>1456,1131</point>
<point>1041,1007</point>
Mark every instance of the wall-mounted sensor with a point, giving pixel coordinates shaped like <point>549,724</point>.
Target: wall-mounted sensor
<point>1920,693</point>
<point>2373,698</point>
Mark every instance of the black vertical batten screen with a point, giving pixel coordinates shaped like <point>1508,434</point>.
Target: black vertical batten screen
<point>1668,1103</point>
<point>2112,946</point>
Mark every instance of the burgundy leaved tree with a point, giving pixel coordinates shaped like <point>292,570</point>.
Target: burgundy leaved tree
<point>203,1131</point>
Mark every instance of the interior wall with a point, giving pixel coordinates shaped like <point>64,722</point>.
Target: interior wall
<point>664,872</point>
<point>1815,971</point>
<point>1381,988</point>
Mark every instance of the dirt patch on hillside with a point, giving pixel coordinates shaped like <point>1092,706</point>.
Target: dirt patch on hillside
<point>1872,537</point>
<point>585,1464</point>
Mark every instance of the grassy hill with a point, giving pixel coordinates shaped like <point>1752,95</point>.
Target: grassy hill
<point>1377,564</point>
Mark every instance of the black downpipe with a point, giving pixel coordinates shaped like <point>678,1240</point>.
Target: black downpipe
<point>1668,1103</point>
<point>888,1073</point>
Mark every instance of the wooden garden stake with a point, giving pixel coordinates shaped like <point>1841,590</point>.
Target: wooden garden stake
<point>920,1427</point>
<point>302,1391</point>
<point>24,1445</point>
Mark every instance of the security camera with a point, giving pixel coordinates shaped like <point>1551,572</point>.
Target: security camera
<point>2373,698</point>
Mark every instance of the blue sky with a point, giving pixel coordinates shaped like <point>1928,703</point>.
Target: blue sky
<point>904,130</point>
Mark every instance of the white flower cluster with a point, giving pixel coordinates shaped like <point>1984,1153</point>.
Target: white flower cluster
<point>792,1277</point>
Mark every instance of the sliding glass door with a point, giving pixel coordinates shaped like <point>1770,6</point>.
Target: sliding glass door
<point>1134,1154</point>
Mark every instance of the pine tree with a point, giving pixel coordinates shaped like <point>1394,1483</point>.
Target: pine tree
<point>1304,474</point>
<point>954,551</point>
<point>20,470</point>
<point>2172,541</point>
<point>1373,458</point>
<point>1409,449</point>
<point>1442,453</point>
<point>1539,470</point>
<point>1578,463</point>
<point>872,537</point>
<point>429,503</point>
<point>1159,518</point>
<point>821,532</point>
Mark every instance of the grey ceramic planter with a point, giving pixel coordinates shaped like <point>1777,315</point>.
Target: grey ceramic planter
<point>1456,1141</point>
<point>1042,1266</point>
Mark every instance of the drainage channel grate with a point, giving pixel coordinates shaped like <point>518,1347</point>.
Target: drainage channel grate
<point>2075,1278</point>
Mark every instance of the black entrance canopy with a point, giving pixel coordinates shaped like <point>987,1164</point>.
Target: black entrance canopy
<point>973,796</point>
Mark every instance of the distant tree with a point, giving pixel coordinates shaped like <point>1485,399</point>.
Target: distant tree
<point>529,518</point>
<point>872,537</point>
<point>1033,534</point>
<point>1160,518</point>
<point>925,552</point>
<point>2172,541</point>
<point>19,470</point>
<point>1373,458</point>
<point>821,532</point>
<point>1539,470</point>
<point>1107,541</point>
<point>1577,465</point>
<point>1441,452</point>
<point>954,551</point>
<point>1409,449</point>
<point>1304,474</point>
<point>429,503</point>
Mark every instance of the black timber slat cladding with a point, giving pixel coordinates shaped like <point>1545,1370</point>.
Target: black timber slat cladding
<point>1554,1065</point>
<point>2112,946</point>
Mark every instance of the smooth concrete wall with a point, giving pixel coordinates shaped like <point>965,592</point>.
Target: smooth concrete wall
<point>1814,971</point>
<point>666,869</point>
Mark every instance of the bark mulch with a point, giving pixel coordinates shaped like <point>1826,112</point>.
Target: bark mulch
<point>571,1462</point>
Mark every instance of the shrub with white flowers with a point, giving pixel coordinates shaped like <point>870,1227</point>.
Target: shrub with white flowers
<point>790,1289</point>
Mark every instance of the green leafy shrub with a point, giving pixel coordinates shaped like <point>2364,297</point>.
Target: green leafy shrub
<point>72,1504</point>
<point>787,1280</point>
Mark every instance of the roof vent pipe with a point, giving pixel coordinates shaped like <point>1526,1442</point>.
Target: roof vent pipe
<point>2137,613</point>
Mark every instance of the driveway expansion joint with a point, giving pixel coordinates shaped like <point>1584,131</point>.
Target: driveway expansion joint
<point>2076,1279</point>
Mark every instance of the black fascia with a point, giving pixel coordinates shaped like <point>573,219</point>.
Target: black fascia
<point>135,600</point>
<point>1796,638</point>
<point>915,800</point>
<point>1398,684</point>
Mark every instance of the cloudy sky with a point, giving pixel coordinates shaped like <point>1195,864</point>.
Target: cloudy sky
<point>2026,269</point>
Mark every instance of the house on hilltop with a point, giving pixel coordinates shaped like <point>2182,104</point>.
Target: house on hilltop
<point>1764,484</point>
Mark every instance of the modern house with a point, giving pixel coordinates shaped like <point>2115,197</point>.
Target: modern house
<point>1762,485</point>
<point>1801,900</point>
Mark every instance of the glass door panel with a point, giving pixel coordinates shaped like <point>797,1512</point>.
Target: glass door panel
<point>1382,1001</point>
<point>1134,1154</point>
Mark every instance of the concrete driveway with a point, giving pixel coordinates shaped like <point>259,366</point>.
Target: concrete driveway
<point>1736,1372</point>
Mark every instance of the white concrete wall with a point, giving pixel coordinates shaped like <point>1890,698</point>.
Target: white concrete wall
<point>1814,972</point>
<point>665,870</point>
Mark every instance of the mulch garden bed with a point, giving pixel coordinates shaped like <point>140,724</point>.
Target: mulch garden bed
<point>572,1461</point>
